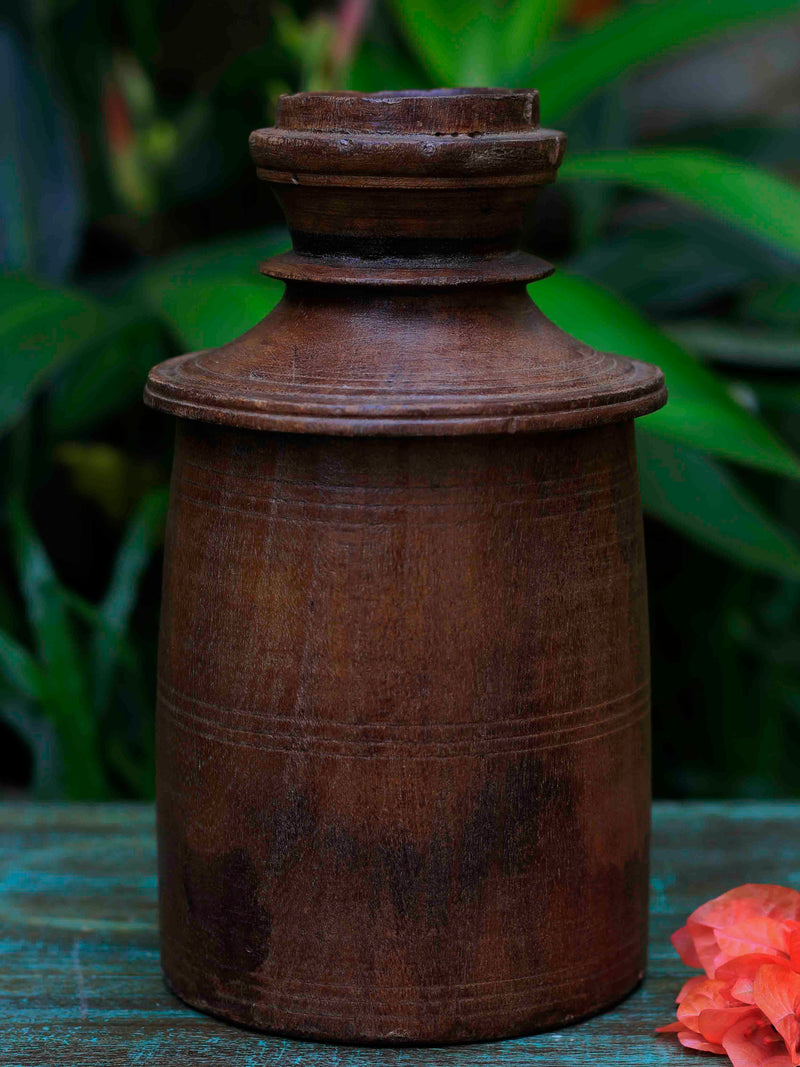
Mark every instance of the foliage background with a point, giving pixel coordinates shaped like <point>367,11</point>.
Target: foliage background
<point>131,225</point>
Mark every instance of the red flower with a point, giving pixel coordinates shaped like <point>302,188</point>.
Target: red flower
<point>748,1004</point>
<point>776,991</point>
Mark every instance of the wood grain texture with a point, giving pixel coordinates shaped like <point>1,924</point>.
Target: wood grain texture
<point>80,982</point>
<point>347,360</point>
<point>492,134</point>
<point>406,310</point>
<point>404,671</point>
<point>403,701</point>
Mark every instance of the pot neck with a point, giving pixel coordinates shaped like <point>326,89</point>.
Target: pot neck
<point>423,188</point>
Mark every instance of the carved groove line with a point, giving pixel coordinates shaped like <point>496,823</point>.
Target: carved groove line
<point>600,474</point>
<point>477,725</point>
<point>266,512</point>
<point>188,722</point>
<point>482,499</point>
<point>215,368</point>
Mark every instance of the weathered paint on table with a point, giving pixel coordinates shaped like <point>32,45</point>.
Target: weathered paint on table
<point>80,983</point>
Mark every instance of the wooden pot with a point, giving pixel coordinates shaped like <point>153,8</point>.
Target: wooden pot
<point>403,711</point>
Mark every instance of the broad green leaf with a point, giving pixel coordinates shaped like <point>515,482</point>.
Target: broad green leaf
<point>453,40</point>
<point>737,344</point>
<point>233,258</point>
<point>104,379</point>
<point>67,703</point>
<point>141,538</point>
<point>467,42</point>
<point>697,496</point>
<point>741,195</point>
<point>40,329</point>
<point>667,257</point>
<point>528,26</point>
<point>210,294</point>
<point>384,64</point>
<point>629,38</point>
<point>209,314</point>
<point>700,413</point>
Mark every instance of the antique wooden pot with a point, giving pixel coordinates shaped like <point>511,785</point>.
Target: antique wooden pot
<point>403,708</point>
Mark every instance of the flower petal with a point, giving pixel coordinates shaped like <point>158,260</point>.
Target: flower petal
<point>670,1028</point>
<point>684,945</point>
<point>714,1023</point>
<point>794,945</point>
<point>752,1043</point>
<point>776,991</point>
<point>722,927</point>
<point>758,933</point>
<point>774,901</point>
<point>747,965</point>
<point>697,981</point>
<point>691,1040</point>
<point>706,947</point>
<point>742,971</point>
<point>708,994</point>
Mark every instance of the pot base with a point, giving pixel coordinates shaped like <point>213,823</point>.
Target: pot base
<point>265,1019</point>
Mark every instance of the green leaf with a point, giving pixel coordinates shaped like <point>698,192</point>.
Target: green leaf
<point>776,303</point>
<point>697,496</point>
<point>210,314</point>
<point>700,413</point>
<point>212,293</point>
<point>20,669</point>
<point>527,27</point>
<point>383,64</point>
<point>666,257</point>
<point>42,740</point>
<point>66,699</point>
<point>108,476</point>
<point>104,379</point>
<point>779,396</point>
<point>741,195</point>
<point>141,538</point>
<point>233,258</point>
<point>439,34</point>
<point>90,614</point>
<point>737,344</point>
<point>40,329</point>
<point>629,38</point>
<point>468,42</point>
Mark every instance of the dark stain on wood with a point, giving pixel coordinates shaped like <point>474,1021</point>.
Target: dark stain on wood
<point>403,711</point>
<point>81,983</point>
<point>227,884</point>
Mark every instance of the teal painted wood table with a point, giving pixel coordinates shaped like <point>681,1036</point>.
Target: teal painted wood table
<point>80,983</point>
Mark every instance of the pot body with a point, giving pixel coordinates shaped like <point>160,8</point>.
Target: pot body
<point>403,731</point>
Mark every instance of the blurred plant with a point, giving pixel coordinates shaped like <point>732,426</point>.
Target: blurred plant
<point>69,683</point>
<point>704,243</point>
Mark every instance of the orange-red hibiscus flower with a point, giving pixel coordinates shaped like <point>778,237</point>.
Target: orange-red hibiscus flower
<point>748,1003</point>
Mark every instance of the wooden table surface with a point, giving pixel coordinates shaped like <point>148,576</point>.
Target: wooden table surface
<point>79,975</point>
